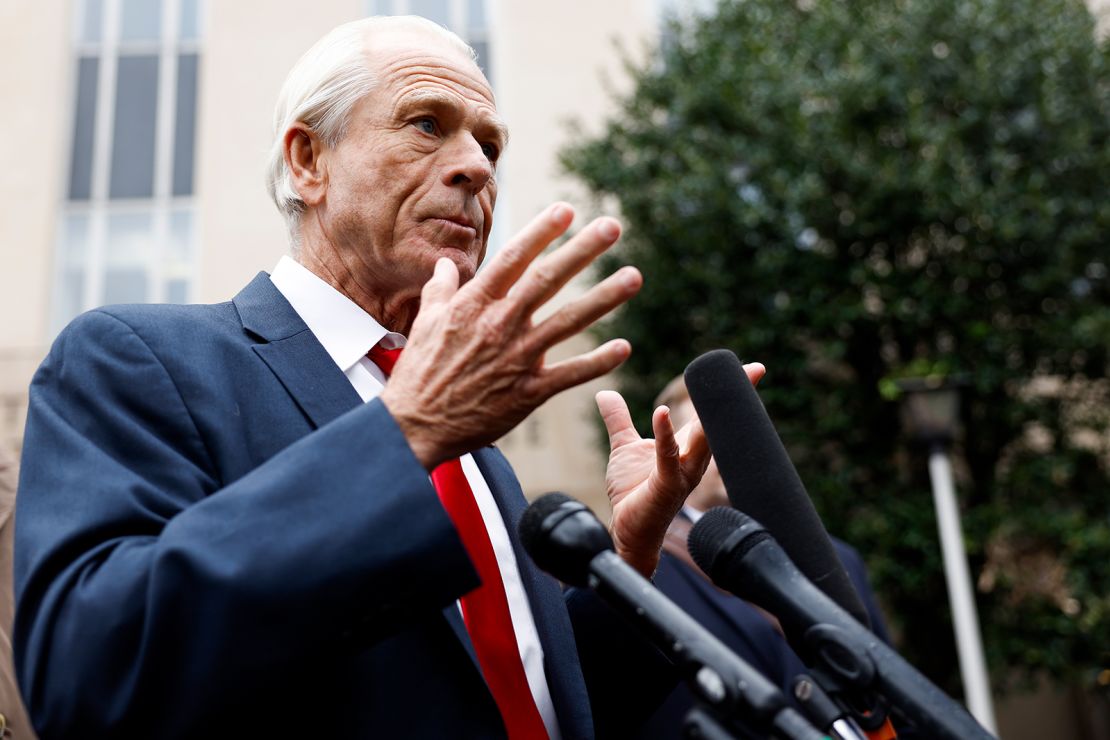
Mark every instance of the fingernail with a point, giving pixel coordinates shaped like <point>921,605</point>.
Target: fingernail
<point>609,229</point>
<point>559,211</point>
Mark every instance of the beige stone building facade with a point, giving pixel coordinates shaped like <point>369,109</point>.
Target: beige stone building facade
<point>140,132</point>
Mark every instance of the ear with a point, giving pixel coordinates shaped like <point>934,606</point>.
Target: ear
<point>303,156</point>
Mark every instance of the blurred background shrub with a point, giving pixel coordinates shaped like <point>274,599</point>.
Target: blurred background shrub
<point>855,191</point>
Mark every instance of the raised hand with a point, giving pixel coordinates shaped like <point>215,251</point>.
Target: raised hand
<point>647,480</point>
<point>474,367</point>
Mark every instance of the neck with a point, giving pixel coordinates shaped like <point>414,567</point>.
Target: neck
<point>393,307</point>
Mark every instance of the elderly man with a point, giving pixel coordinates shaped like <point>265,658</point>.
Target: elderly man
<point>226,522</point>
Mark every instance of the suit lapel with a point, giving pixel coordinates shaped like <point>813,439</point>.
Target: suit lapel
<point>324,393</point>
<point>310,376</point>
<point>293,353</point>
<point>458,626</point>
<point>313,380</point>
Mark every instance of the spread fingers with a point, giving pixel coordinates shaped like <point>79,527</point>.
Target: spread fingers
<point>580,369</point>
<point>588,308</point>
<point>509,264</point>
<point>546,276</point>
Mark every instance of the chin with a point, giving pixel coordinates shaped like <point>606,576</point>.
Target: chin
<point>466,261</point>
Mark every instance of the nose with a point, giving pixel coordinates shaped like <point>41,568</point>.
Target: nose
<point>467,165</point>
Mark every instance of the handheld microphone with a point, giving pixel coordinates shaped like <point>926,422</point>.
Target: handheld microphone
<point>739,555</point>
<point>565,539</point>
<point>758,474</point>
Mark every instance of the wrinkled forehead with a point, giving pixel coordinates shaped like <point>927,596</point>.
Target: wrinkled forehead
<point>405,58</point>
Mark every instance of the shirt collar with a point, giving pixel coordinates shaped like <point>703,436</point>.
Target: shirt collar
<point>346,331</point>
<point>691,513</point>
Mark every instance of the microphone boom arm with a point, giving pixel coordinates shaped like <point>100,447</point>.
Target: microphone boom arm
<point>742,557</point>
<point>721,679</point>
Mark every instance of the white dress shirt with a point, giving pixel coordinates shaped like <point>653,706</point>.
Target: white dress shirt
<point>347,334</point>
<point>692,514</point>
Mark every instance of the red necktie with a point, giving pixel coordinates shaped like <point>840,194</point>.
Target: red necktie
<point>486,608</point>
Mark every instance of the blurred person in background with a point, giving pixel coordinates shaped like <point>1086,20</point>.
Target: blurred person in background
<point>13,717</point>
<point>749,631</point>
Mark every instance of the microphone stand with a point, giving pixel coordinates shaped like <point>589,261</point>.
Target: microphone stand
<point>739,555</point>
<point>826,713</point>
<point>728,682</point>
<point>702,723</point>
<point>841,694</point>
<point>565,539</point>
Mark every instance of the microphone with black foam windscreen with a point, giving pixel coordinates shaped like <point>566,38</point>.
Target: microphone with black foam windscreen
<point>565,539</point>
<point>758,475</point>
<point>739,555</point>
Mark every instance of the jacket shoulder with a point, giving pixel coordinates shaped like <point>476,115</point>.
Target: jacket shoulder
<point>163,317</point>
<point>159,326</point>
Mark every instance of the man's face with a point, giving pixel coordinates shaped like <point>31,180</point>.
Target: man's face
<point>412,180</point>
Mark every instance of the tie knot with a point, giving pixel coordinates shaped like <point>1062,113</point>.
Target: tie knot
<point>384,358</point>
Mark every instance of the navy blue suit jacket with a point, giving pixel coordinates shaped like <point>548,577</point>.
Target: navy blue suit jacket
<point>216,538</point>
<point>742,628</point>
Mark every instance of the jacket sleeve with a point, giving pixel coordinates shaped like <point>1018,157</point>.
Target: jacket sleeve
<point>149,593</point>
<point>857,572</point>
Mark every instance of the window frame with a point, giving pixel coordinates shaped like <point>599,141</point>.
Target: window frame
<point>100,207</point>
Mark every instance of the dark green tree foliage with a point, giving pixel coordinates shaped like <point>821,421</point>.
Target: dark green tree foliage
<point>852,191</point>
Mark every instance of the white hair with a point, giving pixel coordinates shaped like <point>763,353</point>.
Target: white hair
<point>324,86</point>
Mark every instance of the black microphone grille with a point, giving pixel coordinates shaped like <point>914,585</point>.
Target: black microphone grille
<point>563,536</point>
<point>758,475</point>
<point>531,522</point>
<point>713,371</point>
<point>725,533</point>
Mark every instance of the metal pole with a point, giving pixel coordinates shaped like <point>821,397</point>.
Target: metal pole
<point>965,618</point>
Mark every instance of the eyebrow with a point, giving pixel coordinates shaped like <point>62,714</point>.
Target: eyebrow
<point>435,98</point>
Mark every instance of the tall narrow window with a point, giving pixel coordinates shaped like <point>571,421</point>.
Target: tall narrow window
<point>127,225</point>
<point>467,18</point>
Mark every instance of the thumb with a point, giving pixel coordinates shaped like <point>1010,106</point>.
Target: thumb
<point>755,372</point>
<point>618,422</point>
<point>442,285</point>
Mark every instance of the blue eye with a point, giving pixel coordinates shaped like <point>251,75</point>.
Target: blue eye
<point>427,125</point>
<point>490,151</point>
